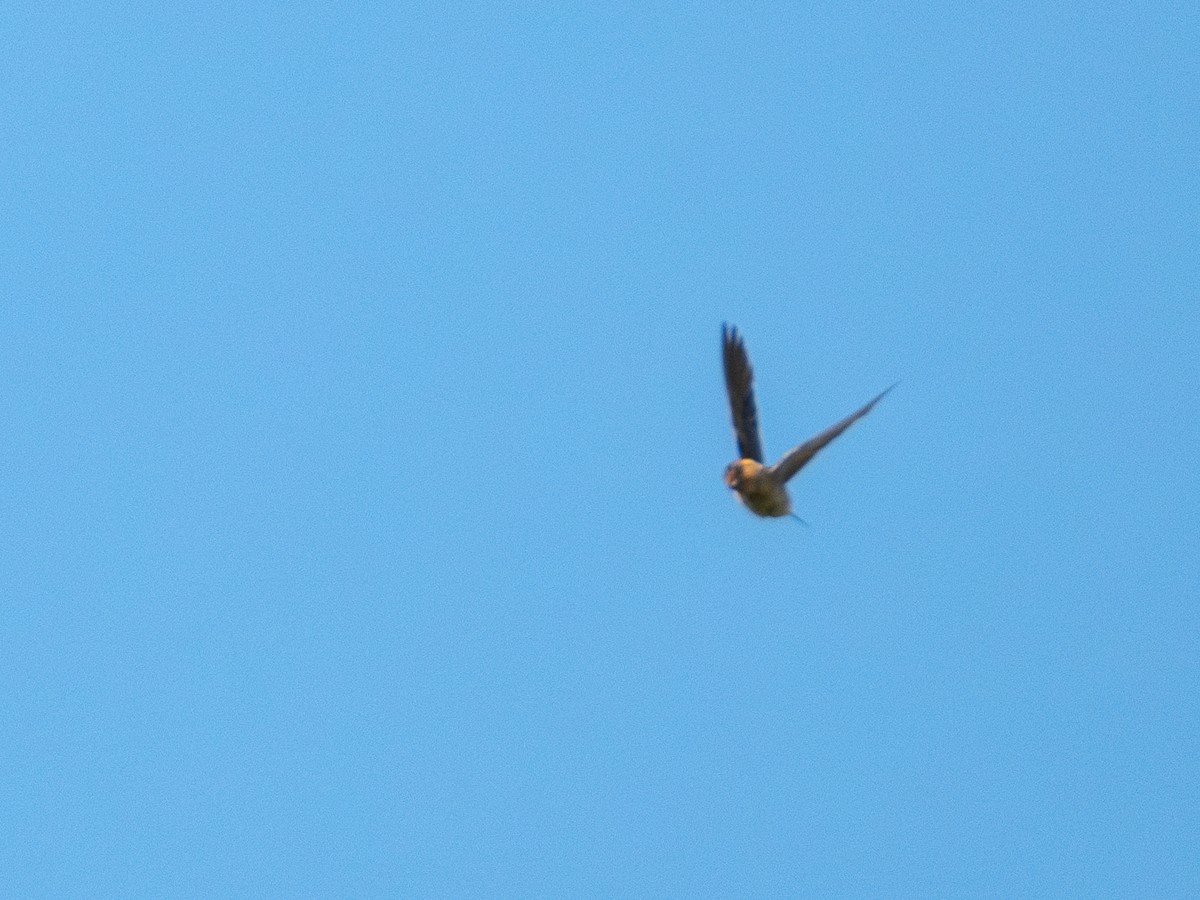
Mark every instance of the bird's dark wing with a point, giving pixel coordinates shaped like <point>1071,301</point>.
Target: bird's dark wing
<point>739,383</point>
<point>795,459</point>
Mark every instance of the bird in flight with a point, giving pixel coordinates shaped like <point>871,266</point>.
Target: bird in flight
<point>759,487</point>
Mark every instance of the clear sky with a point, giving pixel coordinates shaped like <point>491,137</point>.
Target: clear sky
<point>363,430</point>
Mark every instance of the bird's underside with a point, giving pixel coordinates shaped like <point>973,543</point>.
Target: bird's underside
<point>761,488</point>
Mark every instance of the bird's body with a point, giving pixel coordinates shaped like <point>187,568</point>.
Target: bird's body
<point>761,488</point>
<point>757,489</point>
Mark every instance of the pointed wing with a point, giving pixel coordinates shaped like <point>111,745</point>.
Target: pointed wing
<point>739,383</point>
<point>795,459</point>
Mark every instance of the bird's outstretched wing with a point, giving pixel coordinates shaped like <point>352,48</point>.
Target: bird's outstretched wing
<point>739,383</point>
<point>795,459</point>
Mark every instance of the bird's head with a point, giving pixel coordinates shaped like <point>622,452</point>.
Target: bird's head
<point>737,473</point>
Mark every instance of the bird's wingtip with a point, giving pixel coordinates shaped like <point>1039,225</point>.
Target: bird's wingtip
<point>885,392</point>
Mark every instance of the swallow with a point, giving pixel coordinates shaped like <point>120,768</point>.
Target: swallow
<point>759,487</point>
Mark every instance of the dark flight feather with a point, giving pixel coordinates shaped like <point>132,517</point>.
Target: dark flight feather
<point>739,380</point>
<point>796,458</point>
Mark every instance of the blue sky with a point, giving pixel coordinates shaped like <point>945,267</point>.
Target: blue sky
<point>363,431</point>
